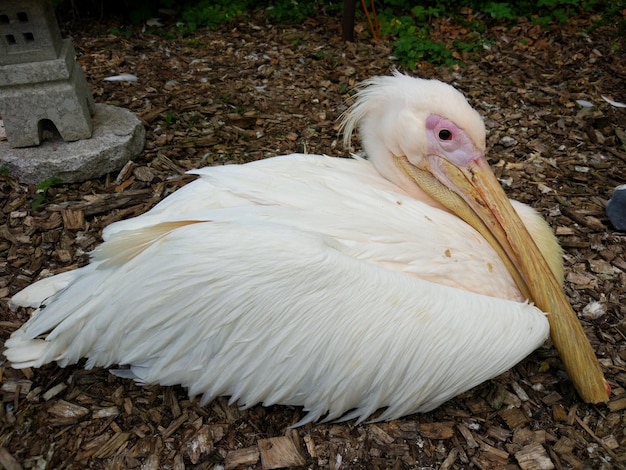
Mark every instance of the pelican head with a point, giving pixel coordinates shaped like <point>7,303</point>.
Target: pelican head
<point>425,137</point>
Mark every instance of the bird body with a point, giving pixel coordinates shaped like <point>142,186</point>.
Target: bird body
<point>292,286</point>
<point>299,280</point>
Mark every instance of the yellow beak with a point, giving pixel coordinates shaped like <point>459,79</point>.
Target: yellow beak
<point>474,194</point>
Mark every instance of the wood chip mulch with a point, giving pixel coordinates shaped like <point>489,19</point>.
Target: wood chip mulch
<point>252,90</point>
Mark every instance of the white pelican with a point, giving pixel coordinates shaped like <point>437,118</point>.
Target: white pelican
<point>339,285</point>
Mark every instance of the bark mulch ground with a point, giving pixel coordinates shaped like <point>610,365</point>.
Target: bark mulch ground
<point>253,90</point>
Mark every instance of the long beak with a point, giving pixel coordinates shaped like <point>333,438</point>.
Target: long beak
<point>474,194</point>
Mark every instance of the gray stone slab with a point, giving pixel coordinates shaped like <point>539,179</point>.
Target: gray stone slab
<point>118,135</point>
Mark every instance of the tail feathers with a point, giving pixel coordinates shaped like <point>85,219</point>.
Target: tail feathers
<point>23,353</point>
<point>36,294</point>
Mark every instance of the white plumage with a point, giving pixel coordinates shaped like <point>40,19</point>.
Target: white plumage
<point>300,280</point>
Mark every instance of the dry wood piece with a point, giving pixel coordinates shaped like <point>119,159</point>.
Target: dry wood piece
<point>523,436</point>
<point>588,221</point>
<point>443,430</point>
<point>564,445</point>
<point>106,412</point>
<point>203,141</point>
<point>144,173</point>
<point>498,433</point>
<point>73,219</point>
<point>247,456</point>
<point>279,452</point>
<point>152,462</point>
<point>112,445</point>
<point>202,442</point>
<point>450,459</point>
<point>174,425</point>
<point>54,391</point>
<point>100,203</point>
<point>22,386</point>
<point>534,457</point>
<point>513,417</point>
<point>65,409</point>
<point>7,461</point>
<point>467,434</point>
<point>617,404</point>
<point>150,115</point>
<point>558,413</point>
<point>125,172</point>
<point>379,436</point>
<point>494,452</point>
<point>310,445</point>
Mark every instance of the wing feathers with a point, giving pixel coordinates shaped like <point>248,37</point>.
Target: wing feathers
<point>277,303</point>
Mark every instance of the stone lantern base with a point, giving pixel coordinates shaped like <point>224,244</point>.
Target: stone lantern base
<point>118,135</point>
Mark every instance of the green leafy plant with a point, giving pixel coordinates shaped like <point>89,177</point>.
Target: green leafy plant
<point>423,14</point>
<point>213,13</point>
<point>413,43</point>
<point>195,42</point>
<point>170,118</point>
<point>411,49</point>
<point>499,10</point>
<point>120,32</point>
<point>41,191</point>
<point>291,11</point>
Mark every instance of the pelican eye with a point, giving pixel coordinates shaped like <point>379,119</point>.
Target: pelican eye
<point>445,134</point>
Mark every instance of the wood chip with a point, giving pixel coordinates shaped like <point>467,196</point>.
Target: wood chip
<point>112,445</point>
<point>54,391</point>
<point>125,172</point>
<point>617,404</point>
<point>279,452</point>
<point>241,457</point>
<point>100,203</point>
<point>523,436</point>
<point>500,397</point>
<point>498,433</point>
<point>174,425</point>
<point>106,412</point>
<point>7,461</point>
<point>467,434</point>
<point>379,436</point>
<point>497,454</point>
<point>21,385</point>
<point>310,445</point>
<point>519,391</point>
<point>200,444</point>
<point>444,430</point>
<point>65,409</point>
<point>564,445</point>
<point>144,173</point>
<point>152,462</point>
<point>73,219</point>
<point>558,413</point>
<point>513,417</point>
<point>534,457</point>
<point>551,398</point>
<point>450,459</point>
<point>565,230</point>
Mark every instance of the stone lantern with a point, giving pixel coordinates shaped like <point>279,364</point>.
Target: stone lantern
<point>40,81</point>
<point>42,87</point>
